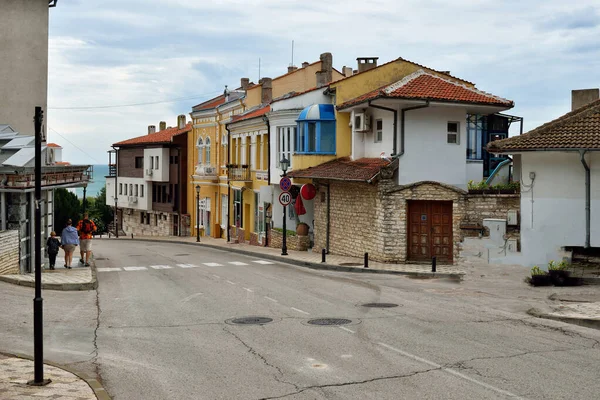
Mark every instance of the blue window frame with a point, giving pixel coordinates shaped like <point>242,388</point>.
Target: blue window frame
<point>316,130</point>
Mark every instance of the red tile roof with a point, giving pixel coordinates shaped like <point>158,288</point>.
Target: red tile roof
<point>62,163</point>
<point>579,129</point>
<point>344,169</point>
<point>159,137</point>
<point>53,145</point>
<point>425,86</point>
<point>295,94</point>
<point>212,103</point>
<point>252,114</point>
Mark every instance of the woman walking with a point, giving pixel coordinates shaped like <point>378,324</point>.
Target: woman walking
<point>69,240</point>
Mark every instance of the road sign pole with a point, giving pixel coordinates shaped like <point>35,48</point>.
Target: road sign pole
<point>284,243</point>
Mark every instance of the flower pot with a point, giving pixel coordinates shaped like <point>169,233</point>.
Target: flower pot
<point>559,276</point>
<point>302,229</point>
<point>540,280</point>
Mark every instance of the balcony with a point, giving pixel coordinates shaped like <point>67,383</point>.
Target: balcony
<point>205,171</point>
<point>240,173</point>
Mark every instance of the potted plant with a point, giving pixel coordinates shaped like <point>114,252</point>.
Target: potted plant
<point>558,273</point>
<point>302,229</point>
<point>539,277</point>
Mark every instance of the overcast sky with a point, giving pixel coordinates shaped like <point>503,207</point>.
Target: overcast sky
<point>117,52</point>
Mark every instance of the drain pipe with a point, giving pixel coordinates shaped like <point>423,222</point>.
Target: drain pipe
<point>228,184</point>
<point>587,198</point>
<point>266,121</point>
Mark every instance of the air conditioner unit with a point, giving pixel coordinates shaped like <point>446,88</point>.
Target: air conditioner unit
<point>149,172</point>
<point>362,122</point>
<point>134,200</point>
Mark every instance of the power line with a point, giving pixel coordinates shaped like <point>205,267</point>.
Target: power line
<point>77,147</point>
<point>134,104</point>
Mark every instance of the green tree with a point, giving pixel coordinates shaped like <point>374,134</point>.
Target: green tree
<point>101,213</point>
<point>66,205</point>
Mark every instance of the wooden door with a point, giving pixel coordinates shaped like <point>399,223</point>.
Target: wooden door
<point>430,231</point>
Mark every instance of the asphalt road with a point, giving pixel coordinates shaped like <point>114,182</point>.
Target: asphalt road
<point>162,329</point>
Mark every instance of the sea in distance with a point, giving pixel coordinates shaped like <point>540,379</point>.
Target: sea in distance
<point>98,182</point>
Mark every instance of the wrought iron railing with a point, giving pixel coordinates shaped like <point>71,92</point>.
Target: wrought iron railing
<point>239,173</point>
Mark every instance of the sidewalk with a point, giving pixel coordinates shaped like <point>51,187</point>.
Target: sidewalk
<point>15,371</point>
<point>578,309</point>
<point>312,260</point>
<point>77,278</point>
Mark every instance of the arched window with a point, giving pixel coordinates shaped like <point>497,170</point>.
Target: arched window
<point>199,147</point>
<point>207,151</point>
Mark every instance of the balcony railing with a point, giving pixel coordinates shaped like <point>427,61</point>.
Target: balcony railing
<point>239,173</point>
<point>112,170</point>
<point>206,171</point>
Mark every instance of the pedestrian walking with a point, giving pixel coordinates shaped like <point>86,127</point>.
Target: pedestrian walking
<point>69,241</point>
<point>52,246</point>
<point>86,228</point>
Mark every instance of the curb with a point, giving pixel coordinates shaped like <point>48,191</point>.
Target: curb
<point>313,265</point>
<point>585,322</point>
<point>92,285</point>
<point>99,391</point>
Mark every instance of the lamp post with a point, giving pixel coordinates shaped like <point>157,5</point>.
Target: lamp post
<point>285,164</point>
<point>84,192</point>
<point>197,213</point>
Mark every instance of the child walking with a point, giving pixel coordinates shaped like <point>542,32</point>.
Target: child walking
<point>53,245</point>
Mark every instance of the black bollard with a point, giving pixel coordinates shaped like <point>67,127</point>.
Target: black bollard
<point>322,255</point>
<point>366,260</point>
<point>132,235</point>
<point>433,264</point>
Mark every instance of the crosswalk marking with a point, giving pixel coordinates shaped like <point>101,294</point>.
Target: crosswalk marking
<point>211,264</point>
<point>263,262</point>
<point>237,263</point>
<point>108,269</point>
<point>161,266</point>
<point>187,266</point>
<point>135,268</point>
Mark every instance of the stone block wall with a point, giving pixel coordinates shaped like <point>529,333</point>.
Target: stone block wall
<point>160,224</point>
<point>9,252</point>
<point>299,243</point>
<point>482,206</point>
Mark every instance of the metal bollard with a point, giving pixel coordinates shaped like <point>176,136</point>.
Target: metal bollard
<point>132,235</point>
<point>433,264</point>
<point>322,255</point>
<point>366,260</point>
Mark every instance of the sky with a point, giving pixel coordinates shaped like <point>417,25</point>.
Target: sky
<point>104,55</point>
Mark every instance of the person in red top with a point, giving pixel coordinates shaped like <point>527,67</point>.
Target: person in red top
<point>86,228</point>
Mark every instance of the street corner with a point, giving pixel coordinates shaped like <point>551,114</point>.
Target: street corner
<point>16,370</point>
<point>76,279</point>
<point>582,314</point>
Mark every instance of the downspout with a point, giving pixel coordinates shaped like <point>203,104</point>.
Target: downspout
<point>587,198</point>
<point>180,190</point>
<point>266,121</point>
<point>328,216</point>
<point>228,184</point>
<point>116,184</point>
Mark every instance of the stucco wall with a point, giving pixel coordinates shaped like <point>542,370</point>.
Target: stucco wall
<point>24,66</point>
<point>553,209</point>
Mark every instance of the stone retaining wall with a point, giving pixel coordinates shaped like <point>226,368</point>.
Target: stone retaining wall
<point>300,243</point>
<point>161,224</point>
<point>9,252</point>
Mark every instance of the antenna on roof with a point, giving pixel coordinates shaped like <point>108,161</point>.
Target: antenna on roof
<point>259,69</point>
<point>292,64</point>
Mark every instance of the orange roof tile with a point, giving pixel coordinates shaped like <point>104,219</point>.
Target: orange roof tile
<point>62,163</point>
<point>212,103</point>
<point>53,145</point>
<point>578,129</point>
<point>422,85</point>
<point>344,169</point>
<point>252,114</point>
<point>159,137</point>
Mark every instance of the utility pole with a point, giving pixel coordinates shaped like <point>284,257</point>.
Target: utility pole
<point>38,326</point>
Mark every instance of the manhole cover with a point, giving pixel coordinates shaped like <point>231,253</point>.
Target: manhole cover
<point>349,264</point>
<point>380,305</point>
<point>329,321</point>
<point>181,255</point>
<point>251,320</point>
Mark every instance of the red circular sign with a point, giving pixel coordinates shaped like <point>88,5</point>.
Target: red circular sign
<point>308,191</point>
<point>285,198</point>
<point>285,184</point>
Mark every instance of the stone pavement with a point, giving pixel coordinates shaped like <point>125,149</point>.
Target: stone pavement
<point>312,260</point>
<point>65,385</point>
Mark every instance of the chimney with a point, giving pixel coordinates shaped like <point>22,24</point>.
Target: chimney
<point>305,64</point>
<point>292,68</point>
<point>151,129</point>
<point>244,83</point>
<point>347,71</point>
<point>366,63</point>
<point>582,97</point>
<point>162,125</point>
<point>226,94</point>
<point>266,91</point>
<point>325,75</point>
<point>181,121</point>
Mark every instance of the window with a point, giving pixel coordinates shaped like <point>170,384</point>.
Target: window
<point>286,136</point>
<point>120,188</point>
<point>151,162</point>
<point>207,151</point>
<point>316,137</point>
<point>155,219</point>
<point>141,218</point>
<point>125,189</point>
<point>154,197</point>
<point>131,189</point>
<point>200,148</point>
<point>136,190</point>
<point>453,133</point>
<point>257,226</point>
<point>476,127</point>
<point>141,190</point>
<point>237,207</point>
<point>139,162</point>
<point>224,201</point>
<point>258,154</point>
<point>378,131</point>
<point>156,163</point>
<point>147,218</point>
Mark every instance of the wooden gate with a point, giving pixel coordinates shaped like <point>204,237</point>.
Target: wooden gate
<point>430,231</point>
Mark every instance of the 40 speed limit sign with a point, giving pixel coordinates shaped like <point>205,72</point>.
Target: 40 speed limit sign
<point>285,198</point>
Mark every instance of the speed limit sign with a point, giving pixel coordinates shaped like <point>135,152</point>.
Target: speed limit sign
<point>285,198</point>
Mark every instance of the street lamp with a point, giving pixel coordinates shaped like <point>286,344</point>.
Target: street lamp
<point>284,164</point>
<point>197,213</point>
<point>84,190</point>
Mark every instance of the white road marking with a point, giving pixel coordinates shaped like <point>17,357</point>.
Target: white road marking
<point>108,269</point>
<point>187,266</point>
<point>262,262</point>
<point>212,264</point>
<point>161,266</point>
<point>249,290</point>
<point>453,372</point>
<point>237,263</point>
<point>191,297</point>
<point>135,268</point>
<point>269,298</point>
<point>346,329</point>
<point>231,283</point>
<point>217,276</point>
<point>300,311</point>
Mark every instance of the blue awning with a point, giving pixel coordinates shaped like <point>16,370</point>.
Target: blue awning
<point>317,112</point>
